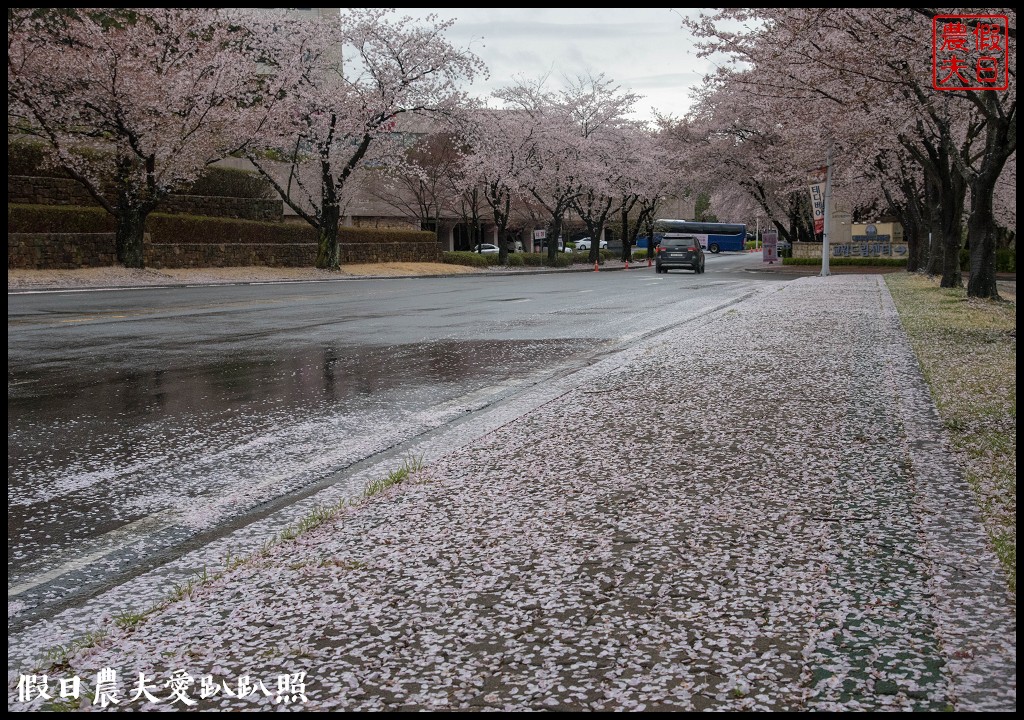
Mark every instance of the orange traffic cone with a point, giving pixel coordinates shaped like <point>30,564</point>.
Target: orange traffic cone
<point>595,266</point>
<point>627,265</point>
<point>648,262</point>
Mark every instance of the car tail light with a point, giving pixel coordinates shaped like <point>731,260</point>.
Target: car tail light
<point>692,249</point>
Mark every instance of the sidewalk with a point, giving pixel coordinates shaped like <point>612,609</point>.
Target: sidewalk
<point>711,562</point>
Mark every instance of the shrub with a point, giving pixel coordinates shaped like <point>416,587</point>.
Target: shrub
<point>25,157</point>
<point>867,262</point>
<point>230,182</point>
<point>58,219</point>
<point>472,259</point>
<point>516,260</point>
<point>374,236</point>
<point>1006,259</point>
<point>163,227</point>
<point>196,229</point>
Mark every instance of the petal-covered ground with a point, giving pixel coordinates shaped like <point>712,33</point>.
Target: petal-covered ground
<point>757,540</point>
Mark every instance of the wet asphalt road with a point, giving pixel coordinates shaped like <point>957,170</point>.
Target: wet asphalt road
<point>153,419</point>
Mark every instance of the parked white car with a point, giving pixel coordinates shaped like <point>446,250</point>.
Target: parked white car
<point>561,246</point>
<point>486,249</point>
<point>584,244</point>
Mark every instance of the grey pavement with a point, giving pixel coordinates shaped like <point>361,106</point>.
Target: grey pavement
<point>722,536</point>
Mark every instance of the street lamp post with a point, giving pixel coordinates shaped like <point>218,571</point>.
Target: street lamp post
<point>825,272</point>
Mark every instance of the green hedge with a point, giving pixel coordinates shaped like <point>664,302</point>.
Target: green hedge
<point>865,262</point>
<point>202,230</point>
<point>193,229</point>
<point>25,157</point>
<point>230,182</point>
<point>375,236</point>
<point>58,219</point>
<point>1006,259</point>
<point>163,227</point>
<point>472,259</point>
<point>475,259</point>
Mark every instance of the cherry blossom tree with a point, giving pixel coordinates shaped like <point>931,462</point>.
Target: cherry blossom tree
<point>553,179</point>
<point>814,59</point>
<point>132,102</point>
<point>499,158</point>
<point>761,149</point>
<point>421,187</point>
<point>654,173</point>
<point>348,112</point>
<point>598,112</point>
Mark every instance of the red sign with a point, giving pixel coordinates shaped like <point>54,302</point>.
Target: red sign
<point>970,52</point>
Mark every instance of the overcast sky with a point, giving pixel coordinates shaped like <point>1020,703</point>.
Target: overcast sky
<point>642,49</point>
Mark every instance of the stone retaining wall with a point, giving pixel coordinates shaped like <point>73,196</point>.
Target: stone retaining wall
<point>183,255</point>
<point>59,251</point>
<point>391,252</point>
<point>64,251</point>
<point>64,191</point>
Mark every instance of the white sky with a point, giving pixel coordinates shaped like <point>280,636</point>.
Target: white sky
<point>644,50</point>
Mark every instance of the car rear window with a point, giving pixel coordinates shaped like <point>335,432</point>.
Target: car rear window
<point>676,243</point>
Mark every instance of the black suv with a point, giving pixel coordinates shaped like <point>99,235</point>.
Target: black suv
<point>682,251</point>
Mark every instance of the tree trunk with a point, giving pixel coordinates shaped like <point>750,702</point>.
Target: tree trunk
<point>913,235</point>
<point>981,230</point>
<point>556,232</point>
<point>1000,144</point>
<point>914,226</point>
<point>933,260</point>
<point>952,214</point>
<point>627,245</point>
<point>131,226</point>
<point>328,254</point>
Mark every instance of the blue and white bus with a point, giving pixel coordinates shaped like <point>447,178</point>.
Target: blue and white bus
<point>714,237</point>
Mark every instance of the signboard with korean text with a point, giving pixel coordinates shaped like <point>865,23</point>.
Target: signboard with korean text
<point>818,207</point>
<point>770,246</point>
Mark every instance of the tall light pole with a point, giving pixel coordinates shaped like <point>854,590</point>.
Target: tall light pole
<point>828,215</point>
